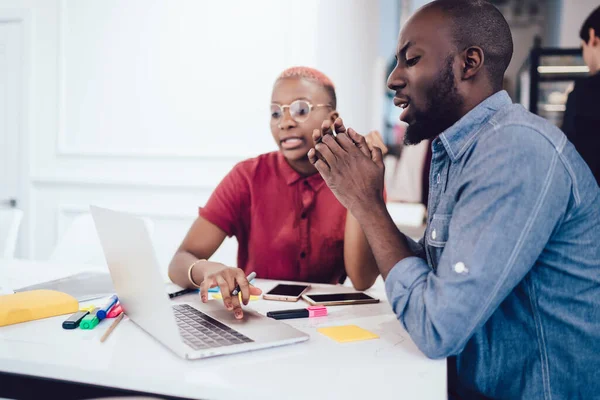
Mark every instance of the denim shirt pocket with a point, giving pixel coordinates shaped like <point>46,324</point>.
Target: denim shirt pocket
<point>437,236</point>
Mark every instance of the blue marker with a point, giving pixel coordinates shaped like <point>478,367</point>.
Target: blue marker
<point>101,314</point>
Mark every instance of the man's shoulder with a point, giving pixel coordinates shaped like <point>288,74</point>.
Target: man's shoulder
<point>519,129</point>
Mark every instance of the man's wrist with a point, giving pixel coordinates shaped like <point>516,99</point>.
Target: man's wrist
<point>367,210</point>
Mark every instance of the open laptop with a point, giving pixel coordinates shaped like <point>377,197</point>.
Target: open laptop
<point>191,329</point>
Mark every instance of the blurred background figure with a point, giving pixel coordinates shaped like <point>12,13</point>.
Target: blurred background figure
<point>582,117</point>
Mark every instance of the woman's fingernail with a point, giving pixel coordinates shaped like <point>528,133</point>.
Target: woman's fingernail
<point>238,314</point>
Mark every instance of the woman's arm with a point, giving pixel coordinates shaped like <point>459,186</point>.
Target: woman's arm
<point>201,242</point>
<point>358,257</point>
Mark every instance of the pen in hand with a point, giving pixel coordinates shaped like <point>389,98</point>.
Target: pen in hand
<point>237,289</point>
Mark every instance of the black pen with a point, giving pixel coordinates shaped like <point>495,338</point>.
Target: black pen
<point>182,292</point>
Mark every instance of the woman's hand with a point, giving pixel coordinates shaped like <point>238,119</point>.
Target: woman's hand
<point>227,278</point>
<point>374,138</point>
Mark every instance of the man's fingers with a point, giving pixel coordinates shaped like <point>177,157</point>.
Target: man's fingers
<point>225,292</point>
<point>377,157</point>
<point>325,151</point>
<point>345,142</point>
<point>323,168</point>
<point>338,125</point>
<point>360,142</point>
<point>313,156</point>
<point>326,129</point>
<point>316,136</point>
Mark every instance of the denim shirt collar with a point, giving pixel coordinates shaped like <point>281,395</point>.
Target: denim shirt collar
<point>459,136</point>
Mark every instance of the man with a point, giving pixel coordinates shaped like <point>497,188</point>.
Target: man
<point>581,122</point>
<point>506,280</point>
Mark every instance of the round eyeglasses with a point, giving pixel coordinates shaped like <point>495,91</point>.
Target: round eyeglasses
<point>299,110</point>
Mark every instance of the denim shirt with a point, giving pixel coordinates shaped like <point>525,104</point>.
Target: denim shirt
<point>507,275</point>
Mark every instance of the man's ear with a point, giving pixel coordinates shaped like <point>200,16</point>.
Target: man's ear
<point>472,62</point>
<point>594,39</point>
<point>333,115</point>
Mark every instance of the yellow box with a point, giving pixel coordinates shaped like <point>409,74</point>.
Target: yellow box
<point>35,304</point>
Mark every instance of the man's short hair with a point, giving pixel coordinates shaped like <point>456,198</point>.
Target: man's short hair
<point>592,21</point>
<point>312,75</point>
<point>479,23</point>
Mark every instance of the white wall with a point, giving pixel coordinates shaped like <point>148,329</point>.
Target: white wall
<point>573,13</point>
<point>145,106</point>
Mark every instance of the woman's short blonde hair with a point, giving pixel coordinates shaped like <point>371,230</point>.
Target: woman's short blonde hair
<point>313,75</point>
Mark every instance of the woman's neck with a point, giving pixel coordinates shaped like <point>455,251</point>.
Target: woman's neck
<point>303,167</point>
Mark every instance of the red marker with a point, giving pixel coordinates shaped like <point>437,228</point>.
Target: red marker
<point>115,311</point>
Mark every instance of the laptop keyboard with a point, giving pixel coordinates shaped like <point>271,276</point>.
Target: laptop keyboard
<point>199,331</point>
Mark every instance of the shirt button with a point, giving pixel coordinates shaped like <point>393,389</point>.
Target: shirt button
<point>303,215</point>
<point>305,183</point>
<point>460,268</point>
<point>433,234</point>
<point>303,255</point>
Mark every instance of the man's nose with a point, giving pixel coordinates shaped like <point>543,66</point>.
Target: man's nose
<point>396,80</point>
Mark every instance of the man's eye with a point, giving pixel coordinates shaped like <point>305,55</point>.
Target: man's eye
<point>412,61</point>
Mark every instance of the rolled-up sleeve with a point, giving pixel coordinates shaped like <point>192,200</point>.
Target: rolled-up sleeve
<point>513,194</point>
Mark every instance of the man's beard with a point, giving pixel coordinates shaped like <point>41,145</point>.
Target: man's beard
<point>442,109</point>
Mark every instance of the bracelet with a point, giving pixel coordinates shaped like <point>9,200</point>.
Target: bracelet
<point>190,273</point>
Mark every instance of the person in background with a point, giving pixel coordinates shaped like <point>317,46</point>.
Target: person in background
<point>288,224</point>
<point>505,283</point>
<point>581,121</point>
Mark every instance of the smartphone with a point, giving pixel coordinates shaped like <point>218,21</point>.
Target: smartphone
<point>338,299</point>
<point>284,292</point>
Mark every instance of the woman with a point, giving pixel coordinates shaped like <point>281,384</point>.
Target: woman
<point>288,224</point>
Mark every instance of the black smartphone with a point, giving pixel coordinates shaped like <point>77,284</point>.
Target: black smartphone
<point>337,299</point>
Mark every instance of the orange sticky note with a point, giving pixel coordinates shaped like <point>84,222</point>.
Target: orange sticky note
<point>219,296</point>
<point>347,333</point>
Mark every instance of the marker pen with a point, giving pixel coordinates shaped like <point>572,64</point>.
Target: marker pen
<point>101,314</point>
<point>237,289</point>
<point>310,312</point>
<point>90,321</point>
<point>74,320</point>
<point>115,311</point>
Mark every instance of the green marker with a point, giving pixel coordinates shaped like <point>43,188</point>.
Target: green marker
<point>90,321</point>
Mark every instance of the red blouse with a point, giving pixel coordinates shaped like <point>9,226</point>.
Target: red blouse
<point>288,227</point>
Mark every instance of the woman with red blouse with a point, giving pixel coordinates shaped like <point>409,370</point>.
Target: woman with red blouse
<point>288,223</point>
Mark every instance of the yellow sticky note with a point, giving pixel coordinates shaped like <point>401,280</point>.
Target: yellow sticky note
<point>219,296</point>
<point>347,333</point>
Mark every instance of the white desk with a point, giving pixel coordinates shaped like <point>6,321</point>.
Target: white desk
<point>389,367</point>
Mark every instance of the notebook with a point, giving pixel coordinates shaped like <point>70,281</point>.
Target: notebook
<point>82,286</point>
